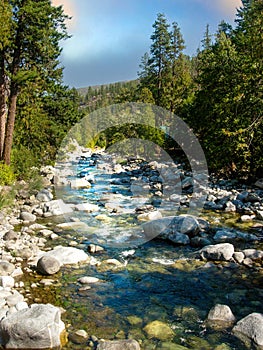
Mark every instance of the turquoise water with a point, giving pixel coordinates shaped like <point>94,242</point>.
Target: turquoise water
<point>157,281</point>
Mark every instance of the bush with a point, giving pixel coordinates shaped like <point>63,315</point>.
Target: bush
<point>23,161</point>
<point>7,176</point>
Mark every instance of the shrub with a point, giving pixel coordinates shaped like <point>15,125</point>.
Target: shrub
<point>7,176</point>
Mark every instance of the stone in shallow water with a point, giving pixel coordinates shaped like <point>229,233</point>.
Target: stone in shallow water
<point>88,280</point>
<point>118,345</point>
<point>158,330</point>
<point>220,316</point>
<point>223,251</point>
<point>172,346</point>
<point>197,343</point>
<point>250,329</point>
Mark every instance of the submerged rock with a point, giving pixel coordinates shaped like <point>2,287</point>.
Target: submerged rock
<point>158,330</point>
<point>118,345</point>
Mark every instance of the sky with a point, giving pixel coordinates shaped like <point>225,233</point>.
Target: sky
<point>109,37</point>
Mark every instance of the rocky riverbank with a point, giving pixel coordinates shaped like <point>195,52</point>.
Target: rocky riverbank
<point>25,242</point>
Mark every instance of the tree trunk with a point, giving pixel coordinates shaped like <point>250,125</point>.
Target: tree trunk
<point>10,124</point>
<point>2,104</point>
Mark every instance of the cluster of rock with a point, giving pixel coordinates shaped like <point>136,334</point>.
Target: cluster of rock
<point>249,329</point>
<point>23,326</point>
<point>216,245</point>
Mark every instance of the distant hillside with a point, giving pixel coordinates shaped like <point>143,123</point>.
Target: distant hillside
<point>98,96</point>
<point>84,90</point>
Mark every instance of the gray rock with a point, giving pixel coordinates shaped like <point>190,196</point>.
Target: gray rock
<point>80,183</point>
<point>250,329</point>
<point>7,281</point>
<point>200,242</point>
<point>88,280</point>
<point>246,218</point>
<point>230,207</point>
<point>93,248</point>
<point>223,251</point>
<point>224,236</point>
<point>178,238</point>
<point>25,216</point>
<point>259,214</point>
<point>6,268</point>
<point>14,298</point>
<point>239,257</point>
<point>153,215</point>
<point>44,196</point>
<point>153,228</point>
<point>48,265</point>
<point>38,327</point>
<point>68,255</point>
<point>57,207</point>
<point>88,207</point>
<point>118,345</point>
<point>185,224</point>
<point>253,254</point>
<point>221,313</point>
<point>10,235</point>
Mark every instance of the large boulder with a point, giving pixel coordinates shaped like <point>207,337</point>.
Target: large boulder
<point>38,327</point>
<point>48,265</point>
<point>164,228</point>
<point>67,255</point>
<point>250,329</point>
<point>222,251</point>
<point>118,345</point>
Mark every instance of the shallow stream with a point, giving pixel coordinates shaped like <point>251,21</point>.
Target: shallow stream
<point>158,281</point>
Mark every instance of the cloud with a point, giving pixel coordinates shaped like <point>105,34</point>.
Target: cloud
<point>69,9</point>
<point>224,7</point>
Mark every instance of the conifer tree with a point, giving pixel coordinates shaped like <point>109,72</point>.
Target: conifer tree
<point>31,55</point>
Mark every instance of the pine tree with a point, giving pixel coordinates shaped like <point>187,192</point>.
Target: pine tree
<point>31,55</point>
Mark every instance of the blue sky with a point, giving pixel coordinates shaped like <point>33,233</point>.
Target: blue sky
<point>109,37</point>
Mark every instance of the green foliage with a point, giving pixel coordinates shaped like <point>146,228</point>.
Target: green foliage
<point>227,110</point>
<point>24,161</point>
<point>7,176</point>
<point>7,197</point>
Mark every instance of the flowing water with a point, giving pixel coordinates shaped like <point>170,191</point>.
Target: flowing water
<point>158,281</point>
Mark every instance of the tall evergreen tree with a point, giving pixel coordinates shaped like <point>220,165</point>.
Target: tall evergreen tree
<point>31,55</point>
<point>154,65</point>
